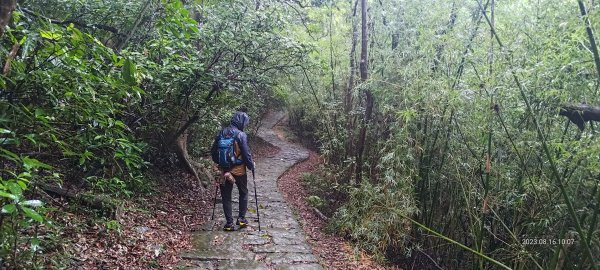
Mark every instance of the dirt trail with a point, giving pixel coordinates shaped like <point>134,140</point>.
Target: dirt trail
<point>281,244</point>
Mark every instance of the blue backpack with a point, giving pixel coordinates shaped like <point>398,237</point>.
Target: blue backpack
<point>226,151</point>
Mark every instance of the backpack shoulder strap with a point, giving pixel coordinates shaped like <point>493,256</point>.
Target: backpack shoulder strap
<point>224,135</point>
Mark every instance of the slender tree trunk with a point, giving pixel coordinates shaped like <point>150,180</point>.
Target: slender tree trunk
<point>369,99</point>
<point>135,26</point>
<point>332,67</point>
<point>348,100</point>
<point>491,53</point>
<point>439,48</point>
<point>11,56</point>
<point>364,42</point>
<point>488,155</point>
<point>6,9</point>
<point>331,63</point>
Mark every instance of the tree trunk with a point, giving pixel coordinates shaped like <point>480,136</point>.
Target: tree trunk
<point>203,176</point>
<point>6,9</point>
<point>350,87</point>
<point>364,41</point>
<point>11,56</point>
<point>369,99</point>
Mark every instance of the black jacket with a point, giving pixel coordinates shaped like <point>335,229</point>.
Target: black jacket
<point>238,122</point>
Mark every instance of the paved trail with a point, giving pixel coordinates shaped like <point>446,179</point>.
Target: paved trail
<point>281,244</point>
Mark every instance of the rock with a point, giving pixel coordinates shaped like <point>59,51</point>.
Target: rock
<point>142,229</point>
<point>312,266</point>
<point>291,258</point>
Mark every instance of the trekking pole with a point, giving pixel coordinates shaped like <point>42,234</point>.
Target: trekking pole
<point>215,202</point>
<point>256,199</point>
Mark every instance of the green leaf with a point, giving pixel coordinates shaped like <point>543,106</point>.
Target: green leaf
<point>22,184</point>
<point>9,155</point>
<point>114,57</point>
<point>7,141</point>
<point>31,138</point>
<point>23,39</point>
<point>129,70</point>
<point>39,114</point>
<point>9,209</point>
<point>32,214</point>
<point>86,155</point>
<point>50,35</point>
<point>35,244</point>
<point>31,163</point>
<point>33,203</point>
<point>15,189</point>
<point>7,195</point>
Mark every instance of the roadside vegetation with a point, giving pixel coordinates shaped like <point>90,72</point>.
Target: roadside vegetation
<point>452,134</point>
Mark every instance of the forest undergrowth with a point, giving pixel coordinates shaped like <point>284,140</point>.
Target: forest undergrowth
<point>454,134</point>
<point>333,251</point>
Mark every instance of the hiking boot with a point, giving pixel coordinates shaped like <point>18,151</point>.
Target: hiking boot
<point>229,227</point>
<point>242,222</point>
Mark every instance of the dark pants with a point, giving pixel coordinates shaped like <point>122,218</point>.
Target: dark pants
<point>242,183</point>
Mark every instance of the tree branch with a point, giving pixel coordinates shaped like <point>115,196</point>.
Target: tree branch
<point>11,56</point>
<point>74,22</point>
<point>135,26</point>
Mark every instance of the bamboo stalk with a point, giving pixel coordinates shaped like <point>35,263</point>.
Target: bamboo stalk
<point>515,239</point>
<point>594,221</point>
<point>555,172</point>
<point>475,252</point>
<point>590,33</point>
<point>519,156</point>
<point>486,184</point>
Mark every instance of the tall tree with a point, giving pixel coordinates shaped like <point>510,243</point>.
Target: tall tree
<point>369,99</point>
<point>348,100</point>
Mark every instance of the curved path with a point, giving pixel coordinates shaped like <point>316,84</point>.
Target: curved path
<point>281,244</point>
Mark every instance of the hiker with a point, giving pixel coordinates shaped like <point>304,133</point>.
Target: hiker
<point>231,153</point>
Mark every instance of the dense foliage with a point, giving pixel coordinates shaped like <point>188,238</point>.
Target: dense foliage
<point>465,144</point>
<point>97,96</point>
<point>438,120</point>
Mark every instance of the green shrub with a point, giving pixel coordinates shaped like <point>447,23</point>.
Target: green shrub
<point>373,218</point>
<point>20,215</point>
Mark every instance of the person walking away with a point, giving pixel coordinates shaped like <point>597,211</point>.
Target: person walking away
<point>230,151</point>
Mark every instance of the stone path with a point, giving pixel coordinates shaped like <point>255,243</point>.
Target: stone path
<point>281,244</point>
